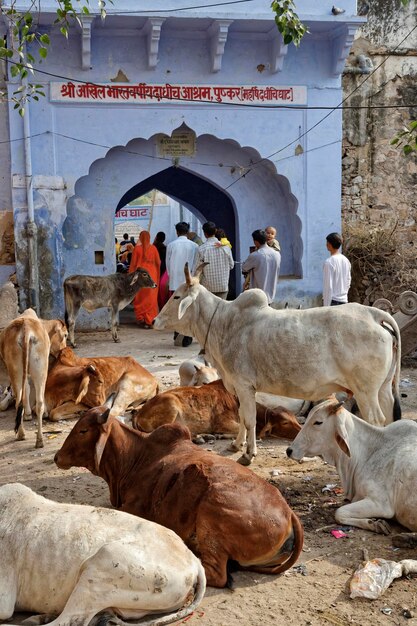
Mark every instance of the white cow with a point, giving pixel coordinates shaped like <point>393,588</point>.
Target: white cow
<point>196,372</point>
<point>377,466</point>
<point>300,354</point>
<point>72,562</point>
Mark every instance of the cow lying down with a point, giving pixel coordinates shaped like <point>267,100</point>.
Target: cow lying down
<point>223,511</point>
<point>377,466</point>
<point>210,409</point>
<point>72,562</point>
<point>75,384</point>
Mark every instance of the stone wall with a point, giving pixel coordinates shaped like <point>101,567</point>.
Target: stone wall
<point>379,183</point>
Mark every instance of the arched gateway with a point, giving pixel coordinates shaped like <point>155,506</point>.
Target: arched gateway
<point>203,182</point>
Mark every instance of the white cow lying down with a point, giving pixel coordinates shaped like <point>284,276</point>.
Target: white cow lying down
<point>377,466</point>
<point>72,562</point>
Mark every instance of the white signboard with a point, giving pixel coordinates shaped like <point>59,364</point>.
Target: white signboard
<point>142,93</point>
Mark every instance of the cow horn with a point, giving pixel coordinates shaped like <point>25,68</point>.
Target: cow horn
<point>199,269</point>
<point>336,407</point>
<point>188,278</point>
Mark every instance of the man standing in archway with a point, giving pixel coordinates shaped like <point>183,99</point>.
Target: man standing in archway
<point>179,252</point>
<point>263,265</point>
<point>215,276</point>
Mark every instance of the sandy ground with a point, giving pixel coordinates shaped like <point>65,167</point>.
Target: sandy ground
<point>317,592</point>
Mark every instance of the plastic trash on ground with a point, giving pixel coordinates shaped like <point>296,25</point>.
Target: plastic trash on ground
<point>373,578</point>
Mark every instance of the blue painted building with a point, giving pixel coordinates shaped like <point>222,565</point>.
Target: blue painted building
<point>208,106</point>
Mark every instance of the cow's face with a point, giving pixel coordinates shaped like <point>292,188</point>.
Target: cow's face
<point>79,448</point>
<point>279,423</point>
<point>173,315</point>
<point>58,336</point>
<point>141,278</point>
<point>323,433</point>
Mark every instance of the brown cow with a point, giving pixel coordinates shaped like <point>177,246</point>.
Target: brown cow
<point>25,346</point>
<point>221,510</point>
<point>73,379</point>
<point>211,409</point>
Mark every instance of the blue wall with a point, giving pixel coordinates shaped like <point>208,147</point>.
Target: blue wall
<point>79,181</point>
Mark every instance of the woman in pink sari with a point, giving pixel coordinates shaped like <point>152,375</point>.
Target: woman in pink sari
<point>146,300</point>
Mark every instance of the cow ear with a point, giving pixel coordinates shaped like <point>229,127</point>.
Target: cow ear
<point>341,436</point>
<point>134,278</point>
<point>103,417</point>
<point>184,304</point>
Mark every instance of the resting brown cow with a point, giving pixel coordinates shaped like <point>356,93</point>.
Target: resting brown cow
<point>210,409</point>
<point>75,384</point>
<point>222,511</point>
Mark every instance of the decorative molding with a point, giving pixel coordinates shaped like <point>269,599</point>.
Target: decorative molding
<point>152,30</point>
<point>278,50</point>
<point>342,43</point>
<point>217,33</point>
<point>86,22</point>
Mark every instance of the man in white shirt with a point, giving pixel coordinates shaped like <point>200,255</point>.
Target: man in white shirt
<point>336,273</point>
<point>215,275</point>
<point>263,265</point>
<point>179,252</point>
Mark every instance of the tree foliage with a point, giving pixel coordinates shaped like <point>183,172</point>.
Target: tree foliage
<point>24,33</point>
<point>288,22</point>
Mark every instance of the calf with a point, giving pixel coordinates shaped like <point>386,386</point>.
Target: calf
<point>377,466</point>
<point>210,409</point>
<point>222,510</point>
<point>197,371</point>
<point>72,562</point>
<point>94,292</point>
<point>73,379</point>
<point>25,345</point>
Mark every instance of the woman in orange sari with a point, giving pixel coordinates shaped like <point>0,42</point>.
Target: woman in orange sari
<point>145,303</point>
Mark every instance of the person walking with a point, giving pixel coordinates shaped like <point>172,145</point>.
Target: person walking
<point>263,264</point>
<point>179,252</point>
<point>145,303</point>
<point>336,273</point>
<point>215,275</point>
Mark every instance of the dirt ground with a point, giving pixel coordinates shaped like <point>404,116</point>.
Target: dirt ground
<point>313,592</point>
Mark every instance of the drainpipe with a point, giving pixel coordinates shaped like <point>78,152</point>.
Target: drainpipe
<point>31,228</point>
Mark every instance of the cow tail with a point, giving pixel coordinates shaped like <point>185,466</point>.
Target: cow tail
<point>26,339</point>
<point>392,327</point>
<point>298,546</point>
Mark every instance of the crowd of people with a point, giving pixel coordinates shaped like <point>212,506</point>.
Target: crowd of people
<point>165,264</point>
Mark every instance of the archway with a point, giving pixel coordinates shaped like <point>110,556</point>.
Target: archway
<point>200,196</point>
<point>208,182</point>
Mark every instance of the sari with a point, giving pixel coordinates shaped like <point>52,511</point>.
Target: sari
<point>146,255</point>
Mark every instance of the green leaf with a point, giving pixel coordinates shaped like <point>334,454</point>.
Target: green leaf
<point>64,31</point>
<point>43,52</point>
<point>22,111</point>
<point>45,39</point>
<point>413,125</point>
<point>407,149</point>
<point>14,70</point>
<point>394,141</point>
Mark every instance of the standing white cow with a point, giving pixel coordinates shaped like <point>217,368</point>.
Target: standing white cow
<point>301,354</point>
<point>72,562</point>
<point>377,466</point>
